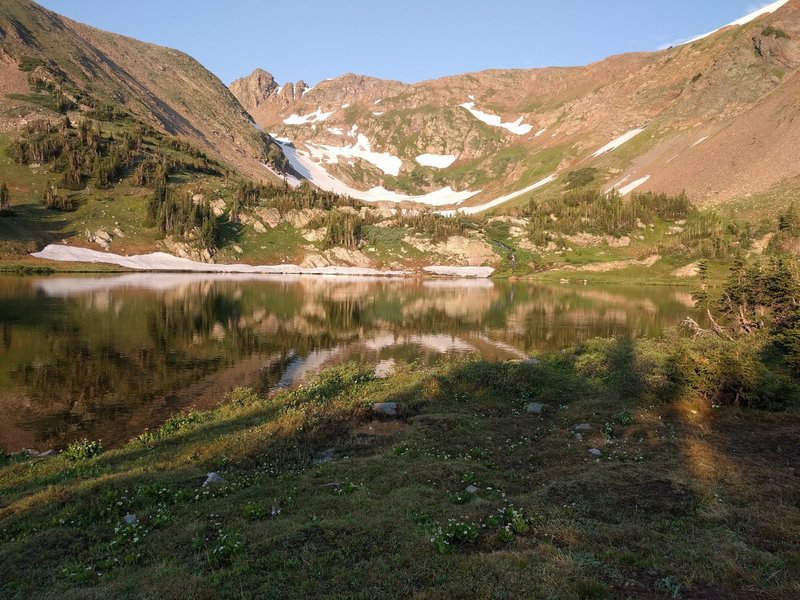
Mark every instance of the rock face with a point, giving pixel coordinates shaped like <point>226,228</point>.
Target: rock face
<point>337,256</point>
<point>457,249</point>
<point>269,216</point>
<point>186,250</point>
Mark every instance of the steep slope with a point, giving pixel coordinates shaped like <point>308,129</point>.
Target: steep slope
<point>86,69</point>
<point>495,136</point>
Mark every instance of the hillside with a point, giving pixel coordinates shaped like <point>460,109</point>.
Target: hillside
<point>50,65</point>
<point>715,117</point>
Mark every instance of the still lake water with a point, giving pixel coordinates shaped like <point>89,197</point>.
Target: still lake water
<point>105,357</point>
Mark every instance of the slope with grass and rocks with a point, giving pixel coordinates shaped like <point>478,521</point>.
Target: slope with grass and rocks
<point>608,471</point>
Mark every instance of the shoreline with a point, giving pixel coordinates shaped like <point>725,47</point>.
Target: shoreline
<point>163,262</point>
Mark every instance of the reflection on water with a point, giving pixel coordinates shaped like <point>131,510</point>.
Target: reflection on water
<point>106,357</point>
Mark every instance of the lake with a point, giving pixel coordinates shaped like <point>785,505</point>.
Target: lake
<point>106,357</point>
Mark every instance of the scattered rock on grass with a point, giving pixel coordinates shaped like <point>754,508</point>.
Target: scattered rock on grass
<point>130,519</point>
<point>471,489</point>
<point>213,479</point>
<point>535,408</point>
<point>595,452</point>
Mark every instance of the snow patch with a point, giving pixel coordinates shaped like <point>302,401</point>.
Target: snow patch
<point>614,144</point>
<point>335,131</point>
<point>768,9</point>
<point>313,117</point>
<point>345,106</point>
<point>379,100</point>
<point>627,189</point>
<point>378,114</point>
<point>700,141</point>
<point>362,149</point>
<point>517,127</point>
<point>437,161</point>
<point>540,132</point>
<point>317,174</point>
<point>471,210</point>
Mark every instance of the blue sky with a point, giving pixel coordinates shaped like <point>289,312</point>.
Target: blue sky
<point>409,40</point>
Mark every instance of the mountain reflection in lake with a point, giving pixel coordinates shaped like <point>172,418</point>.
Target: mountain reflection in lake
<point>106,357</point>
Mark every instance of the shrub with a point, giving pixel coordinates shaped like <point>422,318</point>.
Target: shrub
<point>83,450</point>
<point>242,396</point>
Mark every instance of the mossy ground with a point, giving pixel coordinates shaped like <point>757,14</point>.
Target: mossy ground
<point>685,501</point>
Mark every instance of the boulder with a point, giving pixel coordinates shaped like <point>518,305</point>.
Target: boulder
<point>535,408</point>
<point>471,489</point>
<point>325,456</point>
<point>595,452</point>
<point>583,427</point>
<point>218,207</point>
<point>259,227</point>
<point>270,216</point>
<point>212,479</point>
<point>130,519</point>
<point>387,409</point>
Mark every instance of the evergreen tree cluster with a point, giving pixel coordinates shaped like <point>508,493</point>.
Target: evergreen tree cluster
<point>437,227</point>
<point>178,215</point>
<point>765,295</point>
<point>85,153</point>
<point>55,199</point>
<point>583,209</point>
<point>344,229</point>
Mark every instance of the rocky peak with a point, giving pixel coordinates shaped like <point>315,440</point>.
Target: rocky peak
<point>254,89</point>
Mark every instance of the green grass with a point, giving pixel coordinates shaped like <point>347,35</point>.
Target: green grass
<point>686,500</point>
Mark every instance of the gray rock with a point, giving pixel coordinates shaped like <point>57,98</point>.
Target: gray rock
<point>325,456</point>
<point>471,489</point>
<point>531,361</point>
<point>387,409</point>
<point>578,437</point>
<point>213,479</point>
<point>47,453</point>
<point>583,427</point>
<point>535,408</point>
<point>130,519</point>
<point>595,452</point>
<point>384,368</point>
<point>276,510</point>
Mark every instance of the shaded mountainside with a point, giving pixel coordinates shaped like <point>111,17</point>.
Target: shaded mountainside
<point>717,117</point>
<point>49,63</point>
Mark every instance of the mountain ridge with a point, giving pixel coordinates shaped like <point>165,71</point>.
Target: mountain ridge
<point>711,80</point>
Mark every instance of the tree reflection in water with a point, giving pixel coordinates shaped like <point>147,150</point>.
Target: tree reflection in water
<point>107,357</point>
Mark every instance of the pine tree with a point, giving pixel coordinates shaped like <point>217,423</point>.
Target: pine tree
<point>700,296</point>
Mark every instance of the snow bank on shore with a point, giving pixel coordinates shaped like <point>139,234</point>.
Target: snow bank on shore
<point>161,261</point>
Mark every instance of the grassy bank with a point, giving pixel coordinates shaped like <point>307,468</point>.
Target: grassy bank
<point>693,494</point>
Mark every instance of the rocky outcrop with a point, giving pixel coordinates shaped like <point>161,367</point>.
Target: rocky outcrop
<point>457,249</point>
